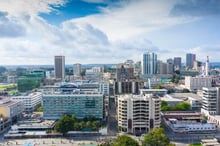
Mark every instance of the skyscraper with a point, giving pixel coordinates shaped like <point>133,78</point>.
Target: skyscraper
<point>190,58</point>
<point>149,63</point>
<point>177,63</point>
<point>77,69</point>
<point>59,67</point>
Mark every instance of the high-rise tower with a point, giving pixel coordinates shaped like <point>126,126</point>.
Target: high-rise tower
<point>149,63</point>
<point>207,66</point>
<point>190,58</point>
<point>59,67</point>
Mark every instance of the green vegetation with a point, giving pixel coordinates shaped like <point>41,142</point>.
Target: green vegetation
<point>185,90</point>
<point>175,78</point>
<point>159,87</point>
<point>183,106</point>
<point>7,87</point>
<point>68,123</point>
<point>124,140</point>
<point>156,137</point>
<point>196,144</point>
<point>40,109</point>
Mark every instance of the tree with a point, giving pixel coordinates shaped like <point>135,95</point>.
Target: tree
<point>65,124</point>
<point>124,140</point>
<point>156,137</point>
<point>185,90</point>
<point>159,87</point>
<point>40,109</point>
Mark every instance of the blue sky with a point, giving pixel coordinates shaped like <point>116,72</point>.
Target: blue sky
<point>107,31</point>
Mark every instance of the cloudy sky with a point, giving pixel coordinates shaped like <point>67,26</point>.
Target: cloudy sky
<point>107,31</point>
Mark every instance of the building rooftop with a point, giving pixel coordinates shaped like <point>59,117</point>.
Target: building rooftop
<point>185,96</point>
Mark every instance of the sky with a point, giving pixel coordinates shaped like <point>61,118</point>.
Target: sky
<point>32,32</point>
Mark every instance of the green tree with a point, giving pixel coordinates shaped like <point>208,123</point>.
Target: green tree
<point>159,87</point>
<point>156,137</point>
<point>124,140</point>
<point>40,109</point>
<point>184,106</point>
<point>65,124</point>
<point>185,90</point>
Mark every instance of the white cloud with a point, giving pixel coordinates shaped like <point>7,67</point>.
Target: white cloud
<point>117,34</point>
<point>29,7</point>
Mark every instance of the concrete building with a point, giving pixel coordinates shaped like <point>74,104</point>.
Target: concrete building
<point>10,108</point>
<point>87,103</point>
<point>31,101</point>
<point>77,69</point>
<point>207,66</point>
<point>5,124</point>
<point>164,68</point>
<point>138,114</point>
<point>190,58</point>
<point>59,67</point>
<point>198,82</point>
<point>211,101</point>
<point>149,63</point>
<point>187,126</point>
<point>124,72</point>
<point>197,65</point>
<point>159,92</point>
<point>177,63</point>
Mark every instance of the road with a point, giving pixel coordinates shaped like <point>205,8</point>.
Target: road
<point>112,122</point>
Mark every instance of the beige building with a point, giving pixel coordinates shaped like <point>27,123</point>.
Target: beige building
<point>197,83</point>
<point>10,108</point>
<point>138,114</point>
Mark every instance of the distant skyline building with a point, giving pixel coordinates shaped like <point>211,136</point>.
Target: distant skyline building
<point>177,63</point>
<point>124,72</point>
<point>207,66</point>
<point>190,58</point>
<point>77,69</point>
<point>149,63</point>
<point>59,67</point>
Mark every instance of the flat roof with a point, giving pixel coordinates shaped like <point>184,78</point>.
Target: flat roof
<point>186,95</point>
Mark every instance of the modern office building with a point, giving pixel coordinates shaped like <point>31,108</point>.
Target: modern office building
<point>190,58</point>
<point>124,72</point>
<point>211,101</point>
<point>31,100</point>
<point>77,69</point>
<point>164,68</point>
<point>10,108</point>
<point>87,103</point>
<point>138,114</point>
<point>59,67</point>
<point>177,63</point>
<point>149,63</point>
<point>197,83</point>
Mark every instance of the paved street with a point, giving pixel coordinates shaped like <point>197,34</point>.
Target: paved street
<point>112,122</point>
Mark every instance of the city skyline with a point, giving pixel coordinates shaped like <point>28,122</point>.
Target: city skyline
<point>107,31</point>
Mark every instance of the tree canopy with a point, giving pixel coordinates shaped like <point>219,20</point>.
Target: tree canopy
<point>124,140</point>
<point>182,106</point>
<point>156,137</point>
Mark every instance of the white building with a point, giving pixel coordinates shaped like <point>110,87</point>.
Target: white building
<point>31,101</point>
<point>191,126</point>
<point>138,114</point>
<point>197,83</point>
<point>77,69</point>
<point>211,101</point>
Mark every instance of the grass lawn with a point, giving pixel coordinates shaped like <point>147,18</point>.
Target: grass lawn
<point>196,144</point>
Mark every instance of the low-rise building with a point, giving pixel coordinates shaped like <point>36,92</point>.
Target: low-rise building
<point>87,103</point>
<point>9,108</point>
<point>197,83</point>
<point>31,100</point>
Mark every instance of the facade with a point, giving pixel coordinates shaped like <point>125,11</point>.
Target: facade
<point>77,69</point>
<point>190,58</point>
<point>31,101</point>
<point>5,124</point>
<point>197,83</point>
<point>87,104</point>
<point>177,63</point>
<point>124,72</point>
<point>211,101</point>
<point>164,68</point>
<point>138,114</point>
<point>191,126</point>
<point>10,108</point>
<point>59,67</point>
<point>29,82</point>
<point>149,63</point>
